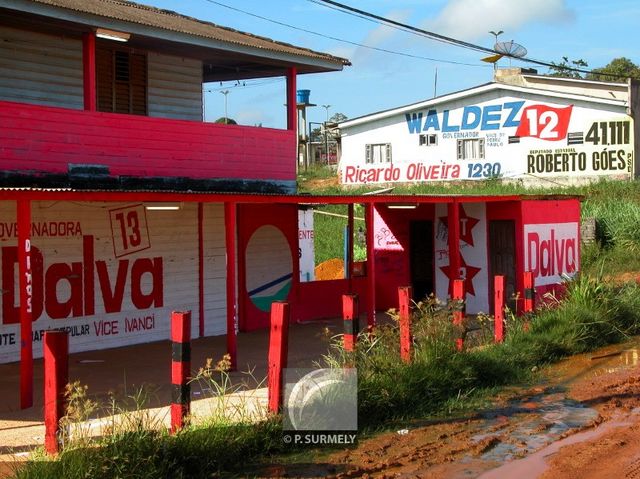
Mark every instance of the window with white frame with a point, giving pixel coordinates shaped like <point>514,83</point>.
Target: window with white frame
<point>378,153</point>
<point>428,140</point>
<point>472,149</point>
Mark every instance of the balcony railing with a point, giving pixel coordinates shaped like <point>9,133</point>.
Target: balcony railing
<point>38,142</point>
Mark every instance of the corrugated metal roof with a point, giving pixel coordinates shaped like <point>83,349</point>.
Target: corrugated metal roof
<point>169,20</point>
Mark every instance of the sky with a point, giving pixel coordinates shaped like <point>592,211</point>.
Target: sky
<point>593,30</point>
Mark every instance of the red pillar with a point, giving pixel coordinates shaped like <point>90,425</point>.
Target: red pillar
<point>180,368</point>
<point>89,70</point>
<point>349,265</point>
<point>404,310</point>
<point>200,269</point>
<point>26,294</point>
<point>350,316</point>
<point>498,308</point>
<point>56,377</point>
<point>371,268</point>
<point>453,225</point>
<point>278,350</point>
<point>230,243</point>
<point>292,108</point>
<point>529,303</point>
<point>458,296</point>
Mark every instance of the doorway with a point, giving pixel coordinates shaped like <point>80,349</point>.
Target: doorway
<point>421,258</point>
<point>502,253</point>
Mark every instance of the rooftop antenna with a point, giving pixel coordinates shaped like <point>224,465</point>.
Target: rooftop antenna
<point>496,35</point>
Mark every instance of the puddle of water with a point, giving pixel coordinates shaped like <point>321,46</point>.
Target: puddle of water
<point>531,428</point>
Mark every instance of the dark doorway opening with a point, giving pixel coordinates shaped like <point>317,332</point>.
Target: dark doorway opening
<point>502,253</point>
<point>421,258</point>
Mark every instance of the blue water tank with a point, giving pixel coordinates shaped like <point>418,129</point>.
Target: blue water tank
<point>303,96</point>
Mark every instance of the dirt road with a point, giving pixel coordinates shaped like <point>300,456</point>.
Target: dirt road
<point>582,421</point>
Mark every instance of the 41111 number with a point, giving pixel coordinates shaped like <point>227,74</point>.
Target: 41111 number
<point>608,133</point>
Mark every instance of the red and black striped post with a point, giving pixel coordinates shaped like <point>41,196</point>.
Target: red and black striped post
<point>350,316</point>
<point>56,377</point>
<point>529,293</point>
<point>180,368</point>
<point>278,350</point>
<point>404,320</point>
<point>459,307</point>
<point>498,308</point>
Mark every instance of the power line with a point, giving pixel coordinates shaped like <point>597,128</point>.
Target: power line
<point>436,36</point>
<point>330,37</point>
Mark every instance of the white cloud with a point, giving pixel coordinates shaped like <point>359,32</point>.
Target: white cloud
<point>379,36</point>
<point>472,19</point>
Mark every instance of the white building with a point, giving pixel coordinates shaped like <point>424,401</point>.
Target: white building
<point>520,126</point>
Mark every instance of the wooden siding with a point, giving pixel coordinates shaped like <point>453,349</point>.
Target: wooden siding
<point>172,242</point>
<point>46,140</point>
<point>215,298</point>
<point>41,69</point>
<point>175,87</point>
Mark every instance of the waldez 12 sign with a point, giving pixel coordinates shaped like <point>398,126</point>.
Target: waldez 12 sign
<point>511,138</point>
<point>96,299</point>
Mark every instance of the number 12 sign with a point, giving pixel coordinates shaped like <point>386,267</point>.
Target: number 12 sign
<point>129,230</point>
<point>545,122</point>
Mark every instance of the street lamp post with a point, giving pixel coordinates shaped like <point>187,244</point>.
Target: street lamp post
<point>326,135</point>
<point>496,34</point>
<point>226,118</point>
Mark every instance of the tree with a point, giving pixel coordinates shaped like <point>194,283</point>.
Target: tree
<point>618,70</point>
<point>226,121</point>
<point>317,134</point>
<point>564,68</point>
<point>337,118</point>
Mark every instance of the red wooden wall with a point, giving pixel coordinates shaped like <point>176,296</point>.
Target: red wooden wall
<point>47,139</point>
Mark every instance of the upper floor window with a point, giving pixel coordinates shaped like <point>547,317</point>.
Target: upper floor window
<point>428,140</point>
<point>471,149</point>
<point>378,153</point>
<point>121,81</point>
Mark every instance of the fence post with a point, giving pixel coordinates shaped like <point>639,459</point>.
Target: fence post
<point>404,318</point>
<point>459,308</point>
<point>350,316</point>
<point>180,368</point>
<point>498,308</point>
<point>529,293</point>
<point>278,349</point>
<point>56,377</point>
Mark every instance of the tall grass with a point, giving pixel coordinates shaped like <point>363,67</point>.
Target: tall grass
<point>592,314</point>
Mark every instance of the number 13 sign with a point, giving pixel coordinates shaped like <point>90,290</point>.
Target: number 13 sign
<point>129,230</point>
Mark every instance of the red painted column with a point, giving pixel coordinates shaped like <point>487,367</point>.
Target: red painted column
<point>180,368</point>
<point>349,264</point>
<point>278,351</point>
<point>453,225</point>
<point>529,303</point>
<point>404,313</point>
<point>89,70</point>
<point>56,377</point>
<point>371,268</point>
<point>458,296</point>
<point>498,308</point>
<point>26,294</point>
<point>350,316</point>
<point>292,108</point>
<point>230,243</point>
<point>200,269</point>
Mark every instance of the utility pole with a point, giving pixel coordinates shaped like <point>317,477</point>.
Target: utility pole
<point>326,133</point>
<point>226,118</point>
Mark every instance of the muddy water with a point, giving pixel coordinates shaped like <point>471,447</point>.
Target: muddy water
<point>552,415</point>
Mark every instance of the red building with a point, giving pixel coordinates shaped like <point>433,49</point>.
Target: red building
<point>119,204</point>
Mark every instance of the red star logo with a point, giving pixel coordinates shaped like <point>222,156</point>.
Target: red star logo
<point>469,273</point>
<point>466,226</point>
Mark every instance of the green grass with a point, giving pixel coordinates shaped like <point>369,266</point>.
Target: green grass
<point>593,314</point>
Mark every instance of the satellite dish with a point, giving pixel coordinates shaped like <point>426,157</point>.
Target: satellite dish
<point>510,49</point>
